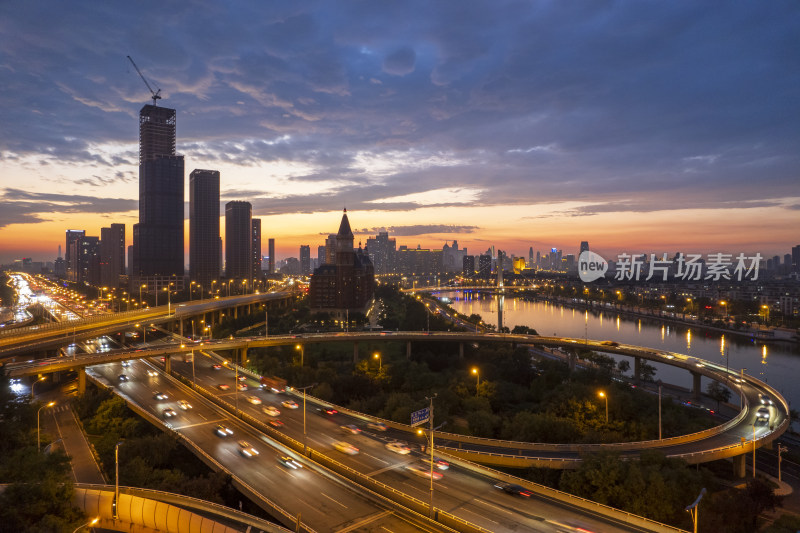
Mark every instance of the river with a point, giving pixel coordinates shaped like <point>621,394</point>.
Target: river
<point>777,363</point>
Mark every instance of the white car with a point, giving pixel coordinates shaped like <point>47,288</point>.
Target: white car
<point>345,447</point>
<point>271,411</point>
<point>246,449</point>
<point>169,412</point>
<point>152,373</point>
<point>255,400</point>
<point>290,404</point>
<point>350,428</point>
<point>398,447</point>
<point>762,414</point>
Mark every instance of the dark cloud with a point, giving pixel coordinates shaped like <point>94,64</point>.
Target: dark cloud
<point>400,62</point>
<point>528,102</point>
<point>420,229</point>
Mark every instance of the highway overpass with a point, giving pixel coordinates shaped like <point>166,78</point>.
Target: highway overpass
<point>29,339</point>
<point>735,438</point>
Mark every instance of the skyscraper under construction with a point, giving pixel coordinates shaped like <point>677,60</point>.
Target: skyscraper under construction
<point>158,237</point>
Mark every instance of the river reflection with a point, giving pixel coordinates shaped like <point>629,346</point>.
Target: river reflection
<point>777,363</point>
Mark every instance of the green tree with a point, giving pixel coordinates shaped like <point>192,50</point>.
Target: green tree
<point>718,392</point>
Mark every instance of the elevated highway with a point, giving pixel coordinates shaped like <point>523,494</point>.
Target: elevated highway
<point>464,499</point>
<point>43,336</point>
<point>735,438</point>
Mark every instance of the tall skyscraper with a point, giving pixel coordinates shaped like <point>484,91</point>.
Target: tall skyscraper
<point>305,259</point>
<point>85,257</point>
<point>584,247</point>
<point>271,250</point>
<point>204,246</point>
<point>238,240</point>
<point>382,251</point>
<point>112,255</point>
<point>158,237</point>
<point>72,235</point>
<point>484,266</point>
<point>796,258</point>
<point>256,235</point>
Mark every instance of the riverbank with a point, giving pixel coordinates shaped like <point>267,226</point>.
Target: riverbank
<point>765,335</point>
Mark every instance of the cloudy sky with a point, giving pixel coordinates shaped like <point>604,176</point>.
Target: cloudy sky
<point>638,126</point>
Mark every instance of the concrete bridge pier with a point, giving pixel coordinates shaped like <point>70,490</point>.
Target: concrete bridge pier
<point>696,388</point>
<point>82,380</point>
<point>739,467</point>
<point>242,356</point>
<point>408,350</point>
<point>355,353</point>
<point>180,324</point>
<point>235,312</point>
<point>637,369</point>
<point>461,350</point>
<point>168,363</point>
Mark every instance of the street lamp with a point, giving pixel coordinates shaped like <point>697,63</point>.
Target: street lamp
<point>724,304</point>
<point>38,434</point>
<point>302,352</point>
<point>304,389</point>
<point>116,480</point>
<point>90,523</point>
<point>380,361</point>
<point>692,509</point>
<point>478,375</point>
<point>140,292</point>
<point>605,396</point>
<point>34,384</point>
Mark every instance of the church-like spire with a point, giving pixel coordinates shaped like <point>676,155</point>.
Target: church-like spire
<point>344,227</point>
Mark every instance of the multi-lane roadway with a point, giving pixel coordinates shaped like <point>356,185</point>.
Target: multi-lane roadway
<point>464,494</point>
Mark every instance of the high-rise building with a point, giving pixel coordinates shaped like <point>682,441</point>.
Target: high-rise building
<point>584,247</point>
<point>112,255</point>
<point>382,251</point>
<point>72,235</point>
<point>530,257</point>
<point>796,258</point>
<point>271,250</point>
<point>238,240</point>
<point>330,249</point>
<point>204,253</point>
<point>305,259</point>
<point>484,266</point>
<point>85,257</point>
<point>468,266</point>
<point>158,237</point>
<point>256,233</point>
<point>321,253</point>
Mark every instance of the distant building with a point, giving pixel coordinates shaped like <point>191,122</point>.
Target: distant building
<point>347,284</point>
<point>72,235</point>
<point>85,258</point>
<point>112,255</point>
<point>204,237</point>
<point>453,257</point>
<point>256,233</point>
<point>419,261</point>
<point>468,265</point>
<point>382,251</point>
<point>271,251</point>
<point>305,259</point>
<point>484,266</point>
<point>238,240</point>
<point>321,255</point>
<point>584,247</point>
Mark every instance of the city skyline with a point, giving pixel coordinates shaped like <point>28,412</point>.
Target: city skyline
<point>640,128</point>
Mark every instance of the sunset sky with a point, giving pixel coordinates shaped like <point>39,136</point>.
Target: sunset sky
<point>638,126</point>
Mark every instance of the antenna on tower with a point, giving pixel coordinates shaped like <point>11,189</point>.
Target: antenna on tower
<point>155,95</point>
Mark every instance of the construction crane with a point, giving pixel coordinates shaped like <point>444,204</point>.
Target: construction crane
<point>156,95</point>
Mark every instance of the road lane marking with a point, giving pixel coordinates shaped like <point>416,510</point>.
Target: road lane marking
<point>201,423</point>
<point>493,506</point>
<point>334,501</point>
<point>364,521</point>
<point>376,458</point>
<point>390,467</point>
<point>477,514</point>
